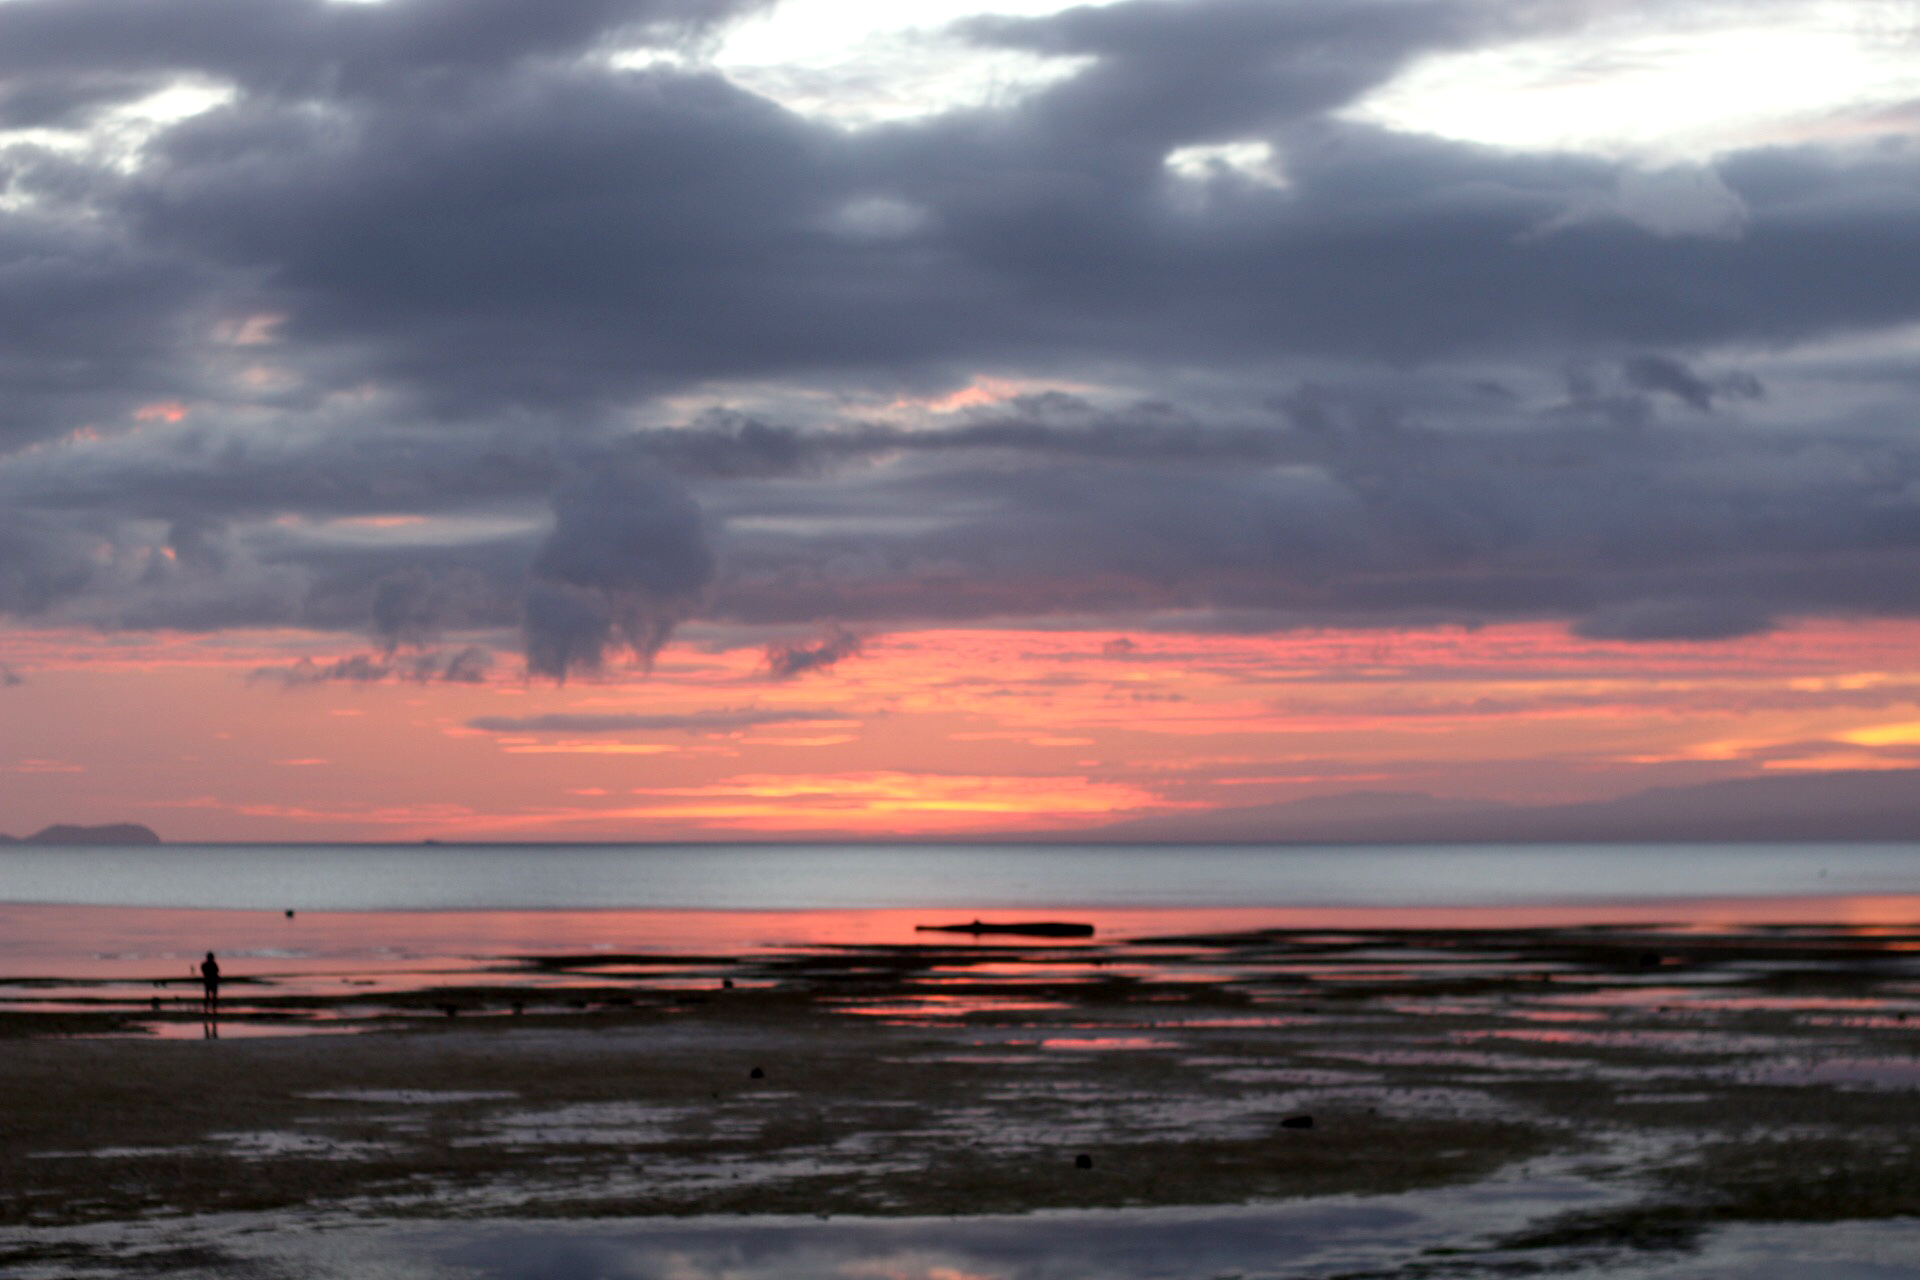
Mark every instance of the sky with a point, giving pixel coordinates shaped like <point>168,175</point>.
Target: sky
<point>819,419</point>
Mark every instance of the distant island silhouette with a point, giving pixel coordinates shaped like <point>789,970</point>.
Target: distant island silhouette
<point>67,833</point>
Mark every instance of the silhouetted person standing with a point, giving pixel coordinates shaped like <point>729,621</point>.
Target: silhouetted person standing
<point>210,985</point>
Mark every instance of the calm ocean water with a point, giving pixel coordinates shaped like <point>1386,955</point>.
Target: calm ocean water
<point>982,877</point>
<point>80,925</point>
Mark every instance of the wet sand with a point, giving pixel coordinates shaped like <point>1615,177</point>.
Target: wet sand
<point>1744,1075</point>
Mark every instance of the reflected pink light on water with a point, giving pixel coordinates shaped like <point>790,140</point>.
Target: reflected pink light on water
<point>1556,1015</point>
<point>236,1029</point>
<point>941,1006</point>
<point>86,942</point>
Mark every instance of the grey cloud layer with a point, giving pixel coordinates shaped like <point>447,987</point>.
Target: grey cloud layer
<point>434,254</point>
<point>1649,533</point>
<point>1337,505</point>
<point>62,58</point>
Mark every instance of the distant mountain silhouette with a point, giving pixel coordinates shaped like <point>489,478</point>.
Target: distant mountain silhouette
<point>66,833</point>
<point>1856,805</point>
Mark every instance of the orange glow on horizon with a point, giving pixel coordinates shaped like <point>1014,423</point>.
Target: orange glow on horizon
<point>1906,734</point>
<point>862,802</point>
<point>928,732</point>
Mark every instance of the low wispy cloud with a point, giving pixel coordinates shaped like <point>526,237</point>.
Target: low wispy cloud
<point>731,720</point>
<point>464,666</point>
<point>785,661</point>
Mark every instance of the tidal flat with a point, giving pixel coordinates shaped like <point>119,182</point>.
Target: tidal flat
<point>1633,1097</point>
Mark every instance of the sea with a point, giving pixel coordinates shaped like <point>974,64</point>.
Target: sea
<point>1000,877</point>
<point>123,913</point>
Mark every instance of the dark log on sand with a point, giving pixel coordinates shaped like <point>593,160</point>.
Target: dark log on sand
<point>1031,929</point>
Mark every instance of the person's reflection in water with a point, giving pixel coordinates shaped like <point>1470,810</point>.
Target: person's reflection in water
<point>210,995</point>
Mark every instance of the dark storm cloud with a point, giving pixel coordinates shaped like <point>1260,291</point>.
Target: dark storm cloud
<point>41,563</point>
<point>195,473</point>
<point>1168,74</point>
<point>305,467</point>
<point>565,238</point>
<point>1386,246</point>
<point>1356,511</point>
<point>413,606</point>
<point>1665,373</point>
<point>533,232</point>
<point>626,560</point>
<point>569,240</point>
<point>1654,534</point>
<point>57,56</point>
<point>1675,620</point>
<point>105,288</point>
<point>60,102</point>
<point>703,722</point>
<point>86,311</point>
<point>402,593</point>
<point>466,252</point>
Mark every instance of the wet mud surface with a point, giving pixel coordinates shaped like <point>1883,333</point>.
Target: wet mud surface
<point>1683,1084</point>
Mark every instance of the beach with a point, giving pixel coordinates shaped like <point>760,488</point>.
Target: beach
<point>1674,1083</point>
<point>975,640</point>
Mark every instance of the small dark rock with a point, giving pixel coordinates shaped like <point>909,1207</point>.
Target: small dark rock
<point>756,1074</point>
<point>289,913</point>
<point>726,984</point>
<point>451,1010</point>
<point>1083,1162</point>
<point>1297,1122</point>
<point>156,1002</point>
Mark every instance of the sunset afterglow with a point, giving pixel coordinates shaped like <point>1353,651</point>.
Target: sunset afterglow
<point>943,732</point>
<point>1147,420</point>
